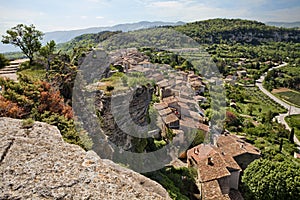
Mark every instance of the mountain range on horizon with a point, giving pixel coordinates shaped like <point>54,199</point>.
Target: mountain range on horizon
<point>64,36</point>
<point>284,24</point>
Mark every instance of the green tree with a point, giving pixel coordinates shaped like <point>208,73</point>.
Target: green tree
<point>46,51</point>
<point>3,61</point>
<point>27,38</point>
<point>291,138</point>
<point>268,180</point>
<point>250,109</point>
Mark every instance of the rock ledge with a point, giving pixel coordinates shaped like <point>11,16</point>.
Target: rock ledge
<point>36,163</point>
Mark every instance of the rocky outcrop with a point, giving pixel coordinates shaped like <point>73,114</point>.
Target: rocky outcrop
<point>117,120</point>
<point>35,163</point>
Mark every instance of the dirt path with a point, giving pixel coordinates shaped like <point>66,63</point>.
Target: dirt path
<point>11,70</point>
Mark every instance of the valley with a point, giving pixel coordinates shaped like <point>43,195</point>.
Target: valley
<point>195,107</point>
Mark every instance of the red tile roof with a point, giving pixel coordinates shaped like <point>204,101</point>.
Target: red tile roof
<point>165,112</point>
<point>203,127</point>
<point>207,172</point>
<point>235,146</point>
<point>170,118</point>
<point>160,106</point>
<point>212,191</point>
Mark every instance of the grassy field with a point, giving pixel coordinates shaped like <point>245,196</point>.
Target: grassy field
<point>294,121</point>
<point>290,96</point>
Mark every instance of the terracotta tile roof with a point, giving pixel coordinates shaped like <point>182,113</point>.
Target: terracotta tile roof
<point>212,191</point>
<point>186,100</point>
<point>222,162</point>
<point>203,127</point>
<point>235,146</point>
<point>170,100</point>
<point>170,118</point>
<point>187,122</point>
<point>196,116</point>
<point>165,112</point>
<point>163,83</point>
<point>216,170</point>
<point>231,164</point>
<point>191,76</point>
<point>160,106</point>
<point>157,77</point>
<point>196,83</point>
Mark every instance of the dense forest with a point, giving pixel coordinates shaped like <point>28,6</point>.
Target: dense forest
<point>237,30</point>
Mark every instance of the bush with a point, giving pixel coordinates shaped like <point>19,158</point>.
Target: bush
<point>36,100</point>
<point>179,182</point>
<point>268,180</point>
<point>3,61</point>
<point>110,88</point>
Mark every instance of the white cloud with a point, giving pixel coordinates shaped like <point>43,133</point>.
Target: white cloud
<point>190,10</point>
<point>83,17</point>
<point>99,17</point>
<point>166,4</point>
<point>94,1</point>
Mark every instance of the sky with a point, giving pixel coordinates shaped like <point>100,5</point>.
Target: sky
<point>76,14</point>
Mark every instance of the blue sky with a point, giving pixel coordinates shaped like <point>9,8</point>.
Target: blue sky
<point>74,14</point>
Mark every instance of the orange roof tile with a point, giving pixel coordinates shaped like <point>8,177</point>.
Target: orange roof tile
<point>170,118</point>
<point>208,172</point>
<point>212,191</point>
<point>234,146</point>
<point>165,112</point>
<point>203,127</point>
<point>160,106</point>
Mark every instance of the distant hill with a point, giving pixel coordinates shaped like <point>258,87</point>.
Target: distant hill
<point>237,30</point>
<point>284,24</point>
<point>85,40</point>
<point>64,36</point>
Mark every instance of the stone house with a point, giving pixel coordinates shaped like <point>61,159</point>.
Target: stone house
<point>242,152</point>
<point>219,166</point>
<point>214,167</point>
<point>171,121</point>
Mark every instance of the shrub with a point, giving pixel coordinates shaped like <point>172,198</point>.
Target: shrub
<point>110,88</point>
<point>3,61</point>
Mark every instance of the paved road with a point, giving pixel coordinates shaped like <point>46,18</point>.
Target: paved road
<point>292,110</point>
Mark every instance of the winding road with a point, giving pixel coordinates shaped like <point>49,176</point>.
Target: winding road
<point>292,110</point>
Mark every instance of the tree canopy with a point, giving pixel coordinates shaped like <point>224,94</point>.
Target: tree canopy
<point>269,180</point>
<point>27,38</point>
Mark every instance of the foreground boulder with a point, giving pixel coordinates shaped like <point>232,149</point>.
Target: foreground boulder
<point>35,163</point>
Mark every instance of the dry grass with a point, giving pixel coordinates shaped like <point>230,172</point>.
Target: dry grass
<point>279,90</point>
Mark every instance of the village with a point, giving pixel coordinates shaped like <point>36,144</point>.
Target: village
<point>219,165</point>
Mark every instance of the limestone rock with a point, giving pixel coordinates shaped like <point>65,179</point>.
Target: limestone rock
<point>35,163</point>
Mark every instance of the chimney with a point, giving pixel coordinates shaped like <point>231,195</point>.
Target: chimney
<point>209,161</point>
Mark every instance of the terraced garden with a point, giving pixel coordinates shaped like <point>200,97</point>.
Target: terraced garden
<point>260,103</point>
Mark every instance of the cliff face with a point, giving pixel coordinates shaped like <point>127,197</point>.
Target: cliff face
<point>35,163</point>
<point>117,119</point>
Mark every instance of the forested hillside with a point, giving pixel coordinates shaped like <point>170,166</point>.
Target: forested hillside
<point>237,30</point>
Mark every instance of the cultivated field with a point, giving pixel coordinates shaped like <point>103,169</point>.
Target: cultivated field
<point>288,95</point>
